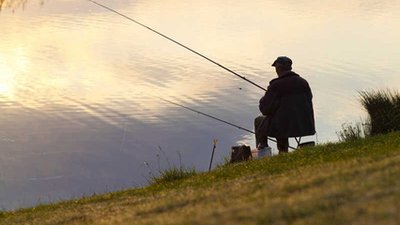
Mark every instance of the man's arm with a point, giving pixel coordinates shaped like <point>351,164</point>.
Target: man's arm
<point>269,103</point>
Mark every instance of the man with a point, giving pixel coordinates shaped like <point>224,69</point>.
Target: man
<point>286,107</point>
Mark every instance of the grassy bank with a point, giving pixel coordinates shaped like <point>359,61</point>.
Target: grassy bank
<point>355,182</point>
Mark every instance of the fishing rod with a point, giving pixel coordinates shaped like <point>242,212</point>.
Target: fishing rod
<point>197,53</point>
<point>178,43</point>
<point>212,117</point>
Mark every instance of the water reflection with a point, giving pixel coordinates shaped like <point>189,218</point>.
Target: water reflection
<point>12,4</point>
<point>76,82</point>
<point>17,4</point>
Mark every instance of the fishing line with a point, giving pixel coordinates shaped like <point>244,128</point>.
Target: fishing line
<point>178,43</point>
<point>197,53</point>
<point>212,117</point>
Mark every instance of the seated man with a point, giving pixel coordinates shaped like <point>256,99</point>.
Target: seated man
<point>286,107</point>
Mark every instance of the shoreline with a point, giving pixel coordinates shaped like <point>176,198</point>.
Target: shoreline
<point>342,182</point>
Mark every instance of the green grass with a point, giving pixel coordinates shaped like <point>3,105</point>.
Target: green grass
<point>172,174</point>
<point>353,182</point>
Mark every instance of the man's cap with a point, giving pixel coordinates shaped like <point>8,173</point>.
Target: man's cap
<point>282,61</point>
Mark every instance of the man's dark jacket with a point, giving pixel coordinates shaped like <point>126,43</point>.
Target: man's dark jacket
<point>288,108</point>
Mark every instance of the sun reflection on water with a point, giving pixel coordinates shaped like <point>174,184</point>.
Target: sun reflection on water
<point>13,64</point>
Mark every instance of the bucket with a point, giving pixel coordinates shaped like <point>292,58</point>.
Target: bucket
<point>264,152</point>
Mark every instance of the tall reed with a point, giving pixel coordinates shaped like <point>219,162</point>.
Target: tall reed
<point>383,107</point>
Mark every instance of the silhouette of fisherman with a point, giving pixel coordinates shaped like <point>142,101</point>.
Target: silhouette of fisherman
<point>287,109</point>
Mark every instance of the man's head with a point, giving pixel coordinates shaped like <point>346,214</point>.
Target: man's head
<point>282,64</point>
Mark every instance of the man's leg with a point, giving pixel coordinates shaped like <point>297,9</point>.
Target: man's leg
<point>283,145</point>
<point>261,139</point>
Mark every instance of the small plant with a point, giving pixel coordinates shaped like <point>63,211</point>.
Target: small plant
<point>383,107</point>
<point>172,174</point>
<point>352,132</point>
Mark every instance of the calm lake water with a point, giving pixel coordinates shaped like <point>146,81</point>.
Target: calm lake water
<point>76,83</point>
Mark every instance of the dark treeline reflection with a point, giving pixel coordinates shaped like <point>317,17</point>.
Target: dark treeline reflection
<point>15,4</point>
